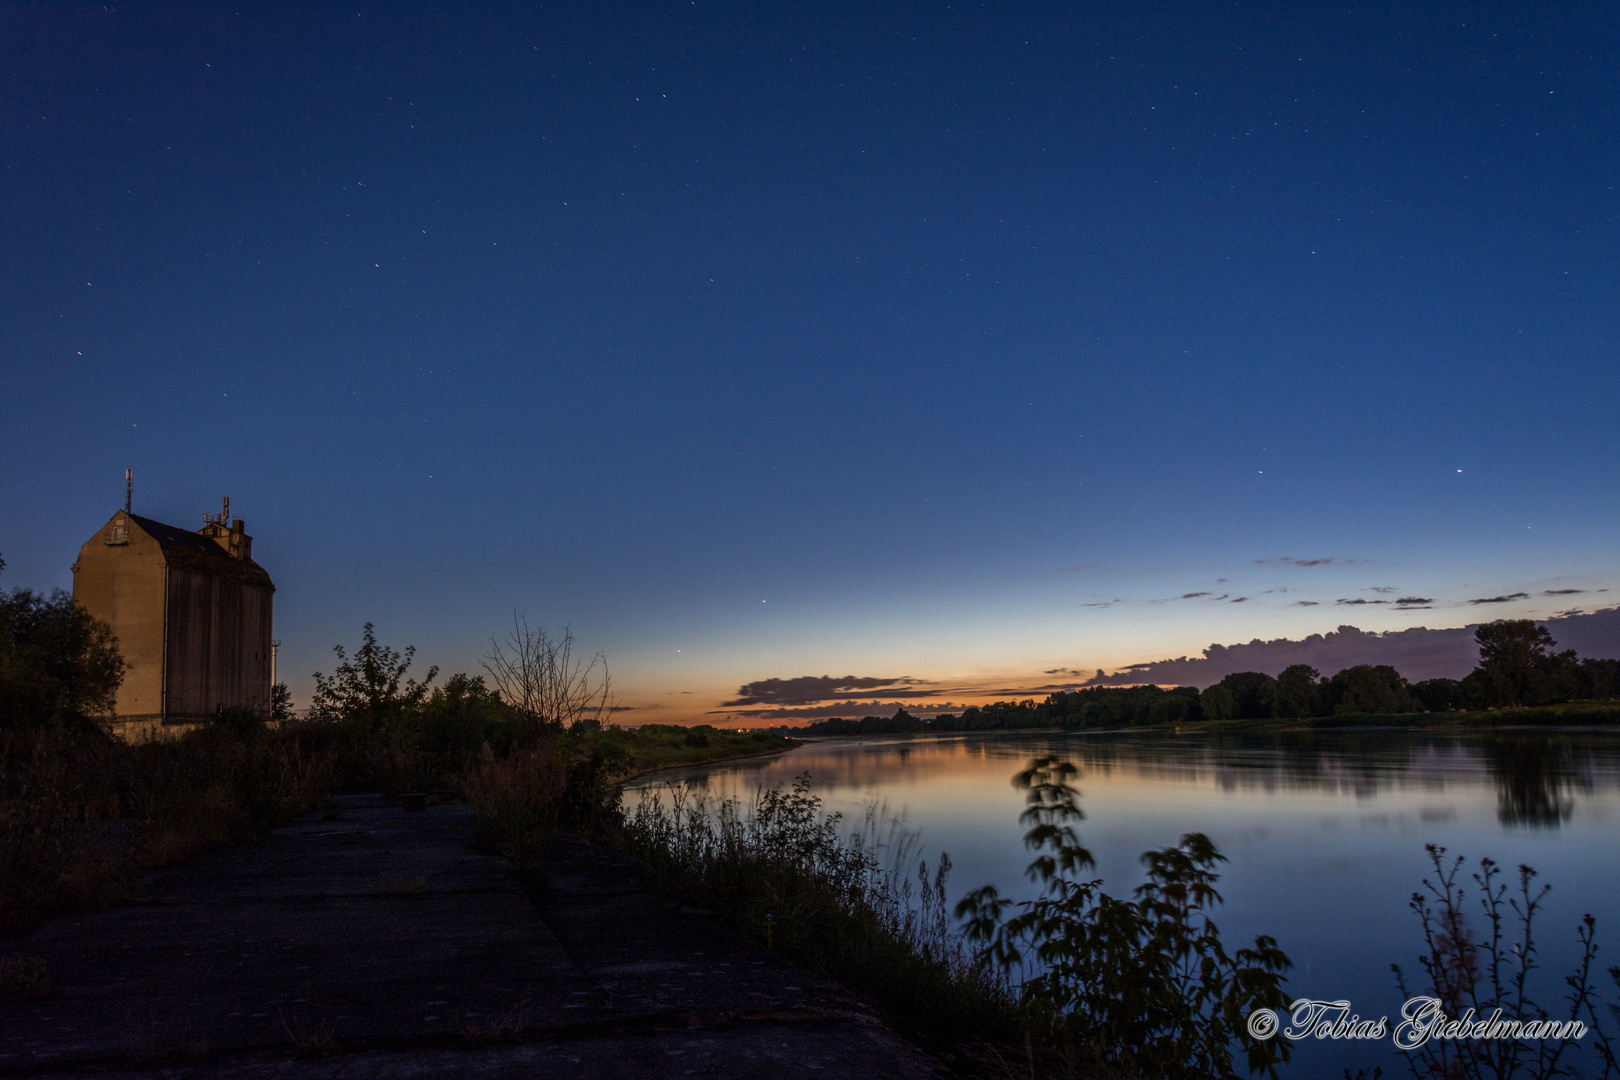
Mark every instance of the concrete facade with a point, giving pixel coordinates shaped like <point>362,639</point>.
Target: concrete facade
<point>192,614</point>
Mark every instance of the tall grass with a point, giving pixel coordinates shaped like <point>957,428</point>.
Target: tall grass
<point>849,906</point>
<point>81,813</point>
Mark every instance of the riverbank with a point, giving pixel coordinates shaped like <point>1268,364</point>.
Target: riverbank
<point>1574,714</point>
<point>652,751</point>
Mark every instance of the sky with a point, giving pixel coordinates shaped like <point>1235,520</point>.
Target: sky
<point>953,343</point>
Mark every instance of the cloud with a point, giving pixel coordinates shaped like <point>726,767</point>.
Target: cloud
<point>1501,599</point>
<point>1358,601</point>
<point>1105,603</point>
<point>1306,603</point>
<point>1285,561</point>
<point>809,689</point>
<point>1561,592</point>
<point>1081,566</point>
<point>1409,602</point>
<point>1240,600</point>
<point>1383,588</point>
<point>1195,595</point>
<point>822,712</point>
<point>1418,653</point>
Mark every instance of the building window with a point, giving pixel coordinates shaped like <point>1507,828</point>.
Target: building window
<point>118,536</point>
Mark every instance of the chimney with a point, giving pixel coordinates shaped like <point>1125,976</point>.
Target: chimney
<point>241,543</point>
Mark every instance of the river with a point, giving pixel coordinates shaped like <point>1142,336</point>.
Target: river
<point>1325,831</point>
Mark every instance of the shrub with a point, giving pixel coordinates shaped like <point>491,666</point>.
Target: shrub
<point>1139,987</point>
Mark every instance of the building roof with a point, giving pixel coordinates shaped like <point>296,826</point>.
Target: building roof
<point>181,547</point>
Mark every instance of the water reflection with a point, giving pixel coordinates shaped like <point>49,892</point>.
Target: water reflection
<point>1537,778</point>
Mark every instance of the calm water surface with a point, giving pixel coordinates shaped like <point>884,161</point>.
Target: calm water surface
<point>1325,832</point>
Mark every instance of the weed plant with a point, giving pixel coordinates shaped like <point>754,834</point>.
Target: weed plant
<point>1124,988</point>
<point>1489,972</point>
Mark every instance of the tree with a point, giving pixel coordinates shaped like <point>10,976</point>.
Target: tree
<point>1297,695</point>
<point>1368,688</point>
<point>1517,666</point>
<point>280,702</point>
<point>545,683</point>
<point>1438,695</point>
<point>368,688</point>
<point>1218,703</point>
<point>55,659</point>
<point>460,719</point>
<point>1253,694</point>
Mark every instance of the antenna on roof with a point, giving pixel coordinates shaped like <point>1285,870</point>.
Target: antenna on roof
<point>129,488</point>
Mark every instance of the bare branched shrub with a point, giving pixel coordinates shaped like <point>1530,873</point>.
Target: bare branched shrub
<point>545,682</point>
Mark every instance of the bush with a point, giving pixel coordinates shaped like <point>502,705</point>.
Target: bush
<point>1139,987</point>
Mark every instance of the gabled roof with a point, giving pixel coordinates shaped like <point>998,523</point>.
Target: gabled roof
<point>194,551</point>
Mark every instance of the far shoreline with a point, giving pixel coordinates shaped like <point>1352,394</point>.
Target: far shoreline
<point>1575,716</point>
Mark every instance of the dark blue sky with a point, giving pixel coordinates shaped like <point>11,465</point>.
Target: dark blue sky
<point>808,340</point>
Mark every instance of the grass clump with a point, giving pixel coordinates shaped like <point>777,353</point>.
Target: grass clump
<point>784,874</point>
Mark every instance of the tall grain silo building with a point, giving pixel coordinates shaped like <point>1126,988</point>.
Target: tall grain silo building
<point>192,614</point>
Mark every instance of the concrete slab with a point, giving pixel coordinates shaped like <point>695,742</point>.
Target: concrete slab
<point>381,944</point>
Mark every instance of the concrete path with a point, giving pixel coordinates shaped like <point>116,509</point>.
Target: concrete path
<point>380,945</point>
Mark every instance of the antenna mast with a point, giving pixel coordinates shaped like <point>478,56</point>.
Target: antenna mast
<point>129,488</point>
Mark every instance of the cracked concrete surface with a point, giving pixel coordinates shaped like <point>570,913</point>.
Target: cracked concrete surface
<point>380,944</point>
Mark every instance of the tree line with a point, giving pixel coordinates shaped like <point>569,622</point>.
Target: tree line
<point>1519,667</point>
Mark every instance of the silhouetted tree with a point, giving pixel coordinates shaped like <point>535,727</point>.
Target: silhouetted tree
<point>55,659</point>
<point>1253,694</point>
<point>368,688</point>
<point>280,702</point>
<point>1438,695</point>
<point>1297,695</point>
<point>545,682</point>
<point>1517,666</point>
<point>1368,688</point>
<point>1218,703</point>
